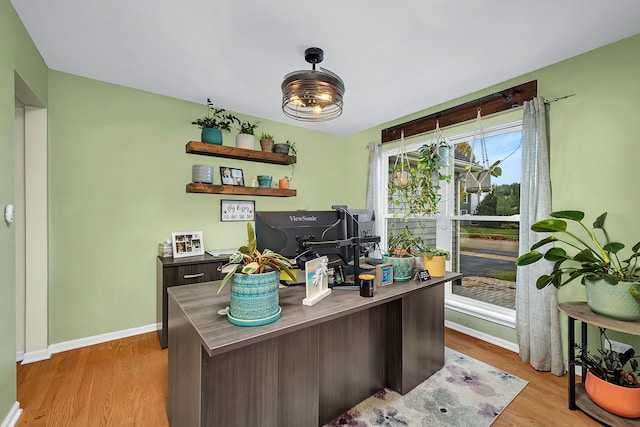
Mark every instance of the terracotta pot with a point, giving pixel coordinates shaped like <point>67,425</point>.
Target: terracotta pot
<point>621,401</point>
<point>283,183</point>
<point>266,144</point>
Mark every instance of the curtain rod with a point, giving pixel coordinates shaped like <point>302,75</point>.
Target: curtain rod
<point>549,101</point>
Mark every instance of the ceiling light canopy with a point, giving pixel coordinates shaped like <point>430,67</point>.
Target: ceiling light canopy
<point>312,95</point>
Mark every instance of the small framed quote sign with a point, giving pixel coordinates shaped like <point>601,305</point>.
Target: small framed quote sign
<point>317,280</point>
<point>237,210</point>
<point>384,274</point>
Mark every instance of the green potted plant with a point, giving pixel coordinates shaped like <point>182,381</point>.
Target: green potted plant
<point>213,123</point>
<point>255,279</point>
<point>246,137</point>
<point>612,284</point>
<point>266,142</point>
<point>285,147</point>
<point>414,189</point>
<point>611,378</point>
<point>434,260</point>
<point>400,249</point>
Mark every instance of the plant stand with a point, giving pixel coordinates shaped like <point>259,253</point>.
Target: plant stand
<point>578,398</point>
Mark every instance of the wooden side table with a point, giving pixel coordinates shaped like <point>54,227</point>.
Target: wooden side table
<point>578,398</point>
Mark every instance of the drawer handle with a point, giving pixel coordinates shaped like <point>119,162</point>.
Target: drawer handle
<point>193,276</point>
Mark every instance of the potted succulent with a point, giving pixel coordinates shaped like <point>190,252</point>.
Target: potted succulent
<point>246,138</point>
<point>434,260</point>
<point>401,247</point>
<point>213,123</point>
<point>255,279</point>
<point>611,379</point>
<point>417,192</point>
<point>612,284</point>
<point>266,142</point>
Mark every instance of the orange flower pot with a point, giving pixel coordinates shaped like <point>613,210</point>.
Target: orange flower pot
<point>283,183</point>
<point>621,401</point>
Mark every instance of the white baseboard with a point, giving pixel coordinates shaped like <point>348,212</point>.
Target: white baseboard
<point>482,336</point>
<point>35,356</point>
<point>12,417</point>
<point>98,339</point>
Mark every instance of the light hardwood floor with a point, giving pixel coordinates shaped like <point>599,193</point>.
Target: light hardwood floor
<point>123,383</point>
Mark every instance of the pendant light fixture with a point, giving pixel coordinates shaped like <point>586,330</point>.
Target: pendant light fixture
<point>312,95</point>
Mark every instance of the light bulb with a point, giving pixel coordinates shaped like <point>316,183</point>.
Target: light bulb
<point>317,110</point>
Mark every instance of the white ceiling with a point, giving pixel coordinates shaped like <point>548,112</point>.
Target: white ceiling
<point>395,58</point>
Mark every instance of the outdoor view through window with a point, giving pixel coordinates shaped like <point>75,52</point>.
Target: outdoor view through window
<point>485,245</point>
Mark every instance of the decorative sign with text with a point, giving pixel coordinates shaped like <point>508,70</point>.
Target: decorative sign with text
<point>424,275</point>
<point>237,210</point>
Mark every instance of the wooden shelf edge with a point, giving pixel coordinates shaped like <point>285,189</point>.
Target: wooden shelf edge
<point>196,187</point>
<point>196,147</point>
<point>586,405</point>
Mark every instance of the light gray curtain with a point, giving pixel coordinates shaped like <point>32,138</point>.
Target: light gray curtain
<point>537,319</point>
<point>374,197</point>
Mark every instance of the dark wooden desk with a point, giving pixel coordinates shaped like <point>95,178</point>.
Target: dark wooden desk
<point>308,367</point>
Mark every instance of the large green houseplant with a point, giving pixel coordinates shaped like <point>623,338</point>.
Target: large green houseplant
<point>414,189</point>
<point>613,284</point>
<point>213,123</point>
<point>255,279</point>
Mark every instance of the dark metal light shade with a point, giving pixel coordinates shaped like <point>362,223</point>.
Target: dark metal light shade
<point>312,95</point>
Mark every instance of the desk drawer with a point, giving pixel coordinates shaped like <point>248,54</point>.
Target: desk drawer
<point>196,273</point>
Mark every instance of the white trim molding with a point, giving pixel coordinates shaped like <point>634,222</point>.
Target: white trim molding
<point>12,417</point>
<point>35,356</point>
<point>482,336</point>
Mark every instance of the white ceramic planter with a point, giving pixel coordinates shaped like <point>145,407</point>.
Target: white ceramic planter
<point>245,141</point>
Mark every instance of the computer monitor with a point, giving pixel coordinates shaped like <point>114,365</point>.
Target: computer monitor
<point>283,232</point>
<point>360,223</point>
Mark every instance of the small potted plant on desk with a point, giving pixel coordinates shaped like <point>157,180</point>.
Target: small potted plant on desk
<point>434,260</point>
<point>612,285</point>
<point>610,378</point>
<point>401,247</point>
<point>214,123</point>
<point>255,279</point>
<point>246,137</point>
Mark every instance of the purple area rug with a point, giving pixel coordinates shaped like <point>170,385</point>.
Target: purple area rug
<point>465,392</point>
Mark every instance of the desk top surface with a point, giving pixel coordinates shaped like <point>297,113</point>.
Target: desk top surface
<point>200,305</point>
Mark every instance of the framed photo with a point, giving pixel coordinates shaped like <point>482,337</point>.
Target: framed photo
<point>237,210</point>
<point>187,243</point>
<point>231,176</point>
<point>384,274</point>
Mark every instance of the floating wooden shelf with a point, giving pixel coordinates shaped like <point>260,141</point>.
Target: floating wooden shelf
<point>237,190</point>
<point>195,147</point>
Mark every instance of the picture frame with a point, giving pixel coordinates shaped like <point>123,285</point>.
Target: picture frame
<point>384,274</point>
<point>317,280</point>
<point>187,243</point>
<point>231,176</point>
<point>237,210</point>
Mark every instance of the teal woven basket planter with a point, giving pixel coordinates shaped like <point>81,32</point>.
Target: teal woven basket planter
<point>402,267</point>
<point>254,299</point>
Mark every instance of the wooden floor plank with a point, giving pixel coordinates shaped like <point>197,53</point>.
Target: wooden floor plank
<point>124,383</point>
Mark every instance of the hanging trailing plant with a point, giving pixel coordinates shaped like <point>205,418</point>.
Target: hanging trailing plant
<point>478,179</point>
<point>420,194</point>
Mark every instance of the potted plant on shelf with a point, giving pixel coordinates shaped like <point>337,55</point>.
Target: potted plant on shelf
<point>246,138</point>
<point>285,147</point>
<point>213,123</point>
<point>418,192</point>
<point>266,142</point>
<point>612,284</point>
<point>434,260</point>
<point>255,279</point>
<point>611,378</point>
<point>401,247</point>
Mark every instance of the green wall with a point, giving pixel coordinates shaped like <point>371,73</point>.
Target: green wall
<point>594,143</point>
<point>118,171</point>
<point>17,55</point>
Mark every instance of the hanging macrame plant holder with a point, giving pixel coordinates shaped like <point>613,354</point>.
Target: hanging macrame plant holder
<point>400,178</point>
<point>478,181</point>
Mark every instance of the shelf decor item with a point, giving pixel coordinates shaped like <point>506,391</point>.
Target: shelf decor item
<point>246,138</point>
<point>612,284</point>
<point>213,123</point>
<point>231,176</point>
<point>255,280</point>
<point>266,142</point>
<point>187,243</point>
<point>611,380</point>
<point>264,180</point>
